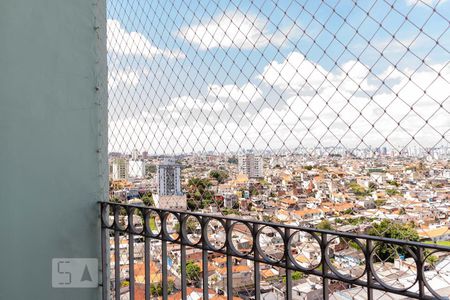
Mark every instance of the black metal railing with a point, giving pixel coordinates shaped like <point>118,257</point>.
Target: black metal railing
<point>345,262</point>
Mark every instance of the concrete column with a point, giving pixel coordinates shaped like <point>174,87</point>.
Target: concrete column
<point>52,141</point>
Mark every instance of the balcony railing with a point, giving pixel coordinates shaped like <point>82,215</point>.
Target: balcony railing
<point>347,265</point>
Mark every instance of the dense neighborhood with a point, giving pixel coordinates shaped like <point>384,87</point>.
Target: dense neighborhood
<point>395,196</point>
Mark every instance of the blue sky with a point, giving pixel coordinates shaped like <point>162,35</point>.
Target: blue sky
<point>199,66</point>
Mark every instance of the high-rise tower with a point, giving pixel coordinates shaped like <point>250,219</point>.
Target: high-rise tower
<point>169,178</point>
<point>251,165</point>
<point>169,193</point>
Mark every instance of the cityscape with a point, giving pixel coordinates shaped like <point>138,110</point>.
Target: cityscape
<point>254,146</point>
<point>225,150</point>
<point>380,192</point>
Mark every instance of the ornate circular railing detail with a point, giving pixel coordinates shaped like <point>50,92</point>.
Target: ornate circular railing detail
<point>304,250</point>
<point>270,244</point>
<point>436,263</point>
<point>389,265</point>
<point>153,223</point>
<point>350,265</point>
<point>121,217</point>
<point>171,226</point>
<point>215,234</point>
<point>107,215</point>
<point>135,220</point>
<point>240,238</point>
<point>191,229</point>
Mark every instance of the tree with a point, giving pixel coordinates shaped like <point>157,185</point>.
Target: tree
<point>198,194</point>
<point>268,218</point>
<point>264,182</point>
<point>393,182</point>
<point>124,283</point>
<point>349,211</point>
<point>192,225</point>
<point>390,229</point>
<point>254,191</point>
<point>432,260</point>
<point>192,272</point>
<point>392,192</point>
<point>325,224</point>
<point>219,175</point>
<point>229,211</point>
<point>156,288</point>
<point>150,169</point>
<point>147,199</point>
<point>380,202</point>
<point>115,199</point>
<point>356,221</point>
<point>296,275</point>
<point>358,190</point>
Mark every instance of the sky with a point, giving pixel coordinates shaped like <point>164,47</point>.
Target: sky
<point>195,76</point>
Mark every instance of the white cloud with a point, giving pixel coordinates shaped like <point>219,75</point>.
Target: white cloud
<point>116,77</point>
<point>422,2</point>
<point>298,73</point>
<point>308,112</point>
<point>234,29</point>
<point>245,94</point>
<point>352,106</point>
<point>295,72</point>
<point>184,103</point>
<point>122,42</point>
<point>218,99</point>
<point>187,104</point>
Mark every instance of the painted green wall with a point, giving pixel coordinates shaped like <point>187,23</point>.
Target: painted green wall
<point>52,131</point>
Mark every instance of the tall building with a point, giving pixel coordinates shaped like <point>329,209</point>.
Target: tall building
<point>169,193</point>
<point>169,178</point>
<point>118,169</point>
<point>251,165</point>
